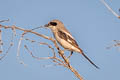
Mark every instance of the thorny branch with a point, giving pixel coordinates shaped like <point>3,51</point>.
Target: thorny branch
<point>63,61</point>
<point>110,9</point>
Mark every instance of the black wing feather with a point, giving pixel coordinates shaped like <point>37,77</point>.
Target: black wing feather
<point>62,35</point>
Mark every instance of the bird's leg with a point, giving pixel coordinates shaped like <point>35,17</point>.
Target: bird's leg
<point>70,54</point>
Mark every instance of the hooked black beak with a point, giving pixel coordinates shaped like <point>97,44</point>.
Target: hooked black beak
<point>46,25</point>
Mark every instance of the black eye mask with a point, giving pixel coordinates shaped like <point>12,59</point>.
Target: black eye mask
<point>53,23</point>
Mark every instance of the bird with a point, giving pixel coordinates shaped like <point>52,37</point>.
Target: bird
<point>65,39</point>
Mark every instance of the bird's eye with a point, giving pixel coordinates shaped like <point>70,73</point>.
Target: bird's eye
<point>53,23</point>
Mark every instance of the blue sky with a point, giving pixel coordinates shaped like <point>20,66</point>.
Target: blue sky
<point>90,22</point>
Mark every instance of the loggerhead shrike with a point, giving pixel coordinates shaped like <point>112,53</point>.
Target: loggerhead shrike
<point>65,39</point>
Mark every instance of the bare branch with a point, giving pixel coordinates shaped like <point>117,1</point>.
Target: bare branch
<point>4,20</point>
<point>14,30</point>
<point>55,59</point>
<point>18,50</point>
<point>11,44</point>
<point>37,28</point>
<point>65,62</point>
<point>117,44</point>
<point>38,58</point>
<point>1,43</point>
<point>110,9</point>
<point>59,62</point>
<point>42,43</point>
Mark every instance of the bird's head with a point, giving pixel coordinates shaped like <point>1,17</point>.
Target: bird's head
<point>53,24</point>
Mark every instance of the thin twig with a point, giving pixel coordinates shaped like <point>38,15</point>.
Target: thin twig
<point>37,28</point>
<point>110,9</point>
<point>54,55</point>
<point>117,44</point>
<point>59,63</point>
<point>14,30</point>
<point>1,43</point>
<point>38,58</point>
<point>42,43</point>
<point>18,50</point>
<point>11,44</point>
<point>44,58</point>
<point>4,20</point>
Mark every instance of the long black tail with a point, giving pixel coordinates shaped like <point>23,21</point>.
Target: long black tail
<point>90,60</point>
